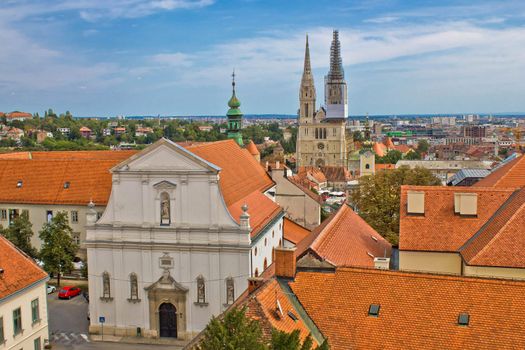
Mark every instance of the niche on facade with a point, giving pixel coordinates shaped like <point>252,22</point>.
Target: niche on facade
<point>165,202</point>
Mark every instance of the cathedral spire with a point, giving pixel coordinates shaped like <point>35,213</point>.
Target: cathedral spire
<point>307,66</point>
<point>336,62</point>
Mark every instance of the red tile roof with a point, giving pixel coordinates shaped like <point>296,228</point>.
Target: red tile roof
<point>336,173</point>
<point>380,149</point>
<point>294,232</point>
<point>347,240</point>
<point>501,241</point>
<point>385,166</point>
<point>252,148</point>
<point>311,172</point>
<point>511,174</point>
<point>19,271</point>
<point>262,306</point>
<point>14,115</point>
<point>241,174</point>
<point>439,229</point>
<point>417,311</point>
<point>43,176</point>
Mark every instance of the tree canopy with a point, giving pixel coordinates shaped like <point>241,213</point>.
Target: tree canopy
<point>236,331</point>
<point>20,233</point>
<point>377,197</point>
<point>58,248</point>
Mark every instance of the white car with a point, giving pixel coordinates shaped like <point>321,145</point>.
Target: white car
<point>51,289</point>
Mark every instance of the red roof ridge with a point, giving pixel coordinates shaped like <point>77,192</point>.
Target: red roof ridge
<point>457,188</point>
<point>428,275</point>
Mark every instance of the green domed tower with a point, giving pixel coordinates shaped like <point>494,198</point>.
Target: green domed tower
<point>234,116</point>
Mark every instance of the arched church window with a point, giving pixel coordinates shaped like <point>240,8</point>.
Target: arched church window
<point>306,109</point>
<point>367,166</point>
<point>201,290</point>
<point>256,272</point>
<point>165,210</point>
<point>133,286</point>
<point>316,133</point>
<point>106,287</point>
<point>230,291</point>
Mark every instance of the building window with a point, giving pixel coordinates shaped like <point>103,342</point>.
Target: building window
<point>256,272</point>
<point>74,216</point>
<point>165,211</point>
<point>17,322</point>
<point>255,251</point>
<point>265,266</point>
<point>106,286</point>
<point>76,238</point>
<point>13,214</point>
<point>2,337</point>
<point>273,233</point>
<point>230,291</point>
<point>49,215</point>
<point>99,214</point>
<point>38,344</point>
<point>134,287</point>
<point>367,166</point>
<point>3,214</point>
<point>35,311</point>
<point>25,213</point>
<point>265,241</point>
<point>201,290</point>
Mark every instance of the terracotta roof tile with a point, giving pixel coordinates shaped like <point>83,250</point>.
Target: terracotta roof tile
<point>43,180</point>
<point>311,172</point>
<point>20,271</point>
<point>501,241</point>
<point>252,148</point>
<point>439,229</point>
<point>380,149</point>
<point>336,173</point>
<point>262,306</point>
<point>294,232</point>
<point>511,174</point>
<point>241,174</point>
<point>348,240</point>
<point>262,210</point>
<point>417,311</point>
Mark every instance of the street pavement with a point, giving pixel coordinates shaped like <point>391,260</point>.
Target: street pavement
<point>68,328</point>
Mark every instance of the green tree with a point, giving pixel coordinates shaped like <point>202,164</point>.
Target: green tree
<point>20,233</point>
<point>358,136</point>
<point>234,332</point>
<point>423,146</point>
<point>392,157</point>
<point>292,341</point>
<point>58,248</point>
<point>412,156</point>
<point>377,197</point>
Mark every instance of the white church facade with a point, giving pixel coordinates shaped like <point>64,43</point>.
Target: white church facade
<point>184,229</point>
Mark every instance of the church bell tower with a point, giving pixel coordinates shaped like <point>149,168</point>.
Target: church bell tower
<point>234,116</point>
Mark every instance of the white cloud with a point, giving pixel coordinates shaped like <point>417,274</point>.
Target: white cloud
<point>176,59</point>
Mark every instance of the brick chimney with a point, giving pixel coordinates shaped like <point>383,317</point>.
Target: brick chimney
<point>285,262</point>
<point>254,283</point>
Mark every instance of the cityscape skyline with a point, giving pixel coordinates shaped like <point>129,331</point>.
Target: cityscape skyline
<point>138,57</point>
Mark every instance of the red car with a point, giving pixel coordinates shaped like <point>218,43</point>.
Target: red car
<point>68,292</point>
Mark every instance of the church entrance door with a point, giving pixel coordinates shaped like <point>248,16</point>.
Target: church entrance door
<point>168,320</point>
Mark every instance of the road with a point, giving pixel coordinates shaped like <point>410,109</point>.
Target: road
<point>68,328</point>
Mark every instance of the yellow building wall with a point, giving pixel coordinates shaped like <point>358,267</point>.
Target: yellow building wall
<point>435,262</point>
<point>494,272</point>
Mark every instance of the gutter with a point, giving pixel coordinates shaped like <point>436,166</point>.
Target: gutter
<point>20,291</point>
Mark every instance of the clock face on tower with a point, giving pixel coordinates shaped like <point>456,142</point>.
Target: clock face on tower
<point>320,145</point>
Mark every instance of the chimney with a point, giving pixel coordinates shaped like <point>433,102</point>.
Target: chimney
<point>245,218</point>
<point>254,283</point>
<point>285,262</point>
<point>382,263</point>
<point>267,166</point>
<point>277,164</point>
<point>415,202</point>
<point>466,204</point>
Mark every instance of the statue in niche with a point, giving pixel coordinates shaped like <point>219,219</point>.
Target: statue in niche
<point>165,209</point>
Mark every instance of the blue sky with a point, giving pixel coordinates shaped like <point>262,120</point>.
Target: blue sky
<point>175,57</point>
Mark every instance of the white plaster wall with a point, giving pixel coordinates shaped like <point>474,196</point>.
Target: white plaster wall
<point>266,250</point>
<point>30,332</point>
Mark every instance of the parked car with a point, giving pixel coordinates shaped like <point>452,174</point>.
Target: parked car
<point>69,292</point>
<point>51,289</point>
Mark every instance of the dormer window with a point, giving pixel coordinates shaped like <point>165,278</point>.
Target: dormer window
<point>66,185</point>
<point>19,184</point>
<point>463,319</point>
<point>373,310</point>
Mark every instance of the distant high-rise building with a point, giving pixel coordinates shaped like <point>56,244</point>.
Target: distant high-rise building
<point>476,131</point>
<point>321,138</point>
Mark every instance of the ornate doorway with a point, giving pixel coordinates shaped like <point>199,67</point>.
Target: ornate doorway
<point>168,320</point>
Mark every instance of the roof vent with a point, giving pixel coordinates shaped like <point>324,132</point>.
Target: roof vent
<point>66,184</point>
<point>466,204</point>
<point>463,319</point>
<point>292,316</point>
<point>415,202</point>
<point>382,263</point>
<point>373,310</point>
<point>19,184</point>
